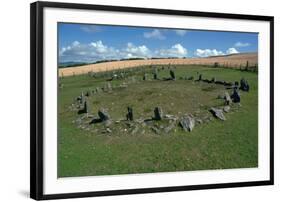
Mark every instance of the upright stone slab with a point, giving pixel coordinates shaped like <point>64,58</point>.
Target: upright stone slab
<point>108,86</point>
<point>86,107</point>
<point>155,75</point>
<point>172,74</point>
<point>244,85</point>
<point>200,77</point>
<point>129,115</point>
<point>103,115</point>
<point>227,98</point>
<point>144,77</point>
<point>158,114</point>
<point>213,80</point>
<point>235,96</point>
<point>82,98</point>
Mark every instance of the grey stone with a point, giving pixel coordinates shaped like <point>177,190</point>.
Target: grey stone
<point>155,130</point>
<point>144,77</point>
<point>158,113</point>
<point>170,117</point>
<point>187,123</point>
<point>199,121</point>
<point>170,127</point>
<point>226,109</point>
<point>129,115</point>
<point>108,86</point>
<point>82,98</point>
<point>103,115</point>
<point>135,130</point>
<point>155,74</point>
<point>218,113</point>
<point>244,86</point>
<point>227,98</point>
<point>235,96</point>
<point>88,93</point>
<point>172,74</point>
<point>86,107</point>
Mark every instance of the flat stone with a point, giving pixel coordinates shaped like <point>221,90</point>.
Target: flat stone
<point>170,127</point>
<point>135,130</point>
<point>155,130</point>
<point>218,113</point>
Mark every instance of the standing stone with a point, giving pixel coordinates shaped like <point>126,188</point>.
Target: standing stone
<point>103,115</point>
<point>98,90</point>
<point>172,74</point>
<point>109,87</point>
<point>190,78</point>
<point>88,93</point>
<point>158,114</point>
<point>227,99</point>
<point>235,96</point>
<point>144,77</point>
<point>86,107</point>
<point>187,123</point>
<point>129,115</point>
<point>244,85</point>
<point>200,77</point>
<point>82,98</point>
<point>155,74</point>
<point>218,113</point>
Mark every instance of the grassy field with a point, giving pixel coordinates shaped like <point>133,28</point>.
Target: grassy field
<point>212,145</point>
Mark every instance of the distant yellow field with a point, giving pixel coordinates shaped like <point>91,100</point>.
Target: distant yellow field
<point>231,60</point>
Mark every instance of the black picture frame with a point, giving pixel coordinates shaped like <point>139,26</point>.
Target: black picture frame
<point>36,98</point>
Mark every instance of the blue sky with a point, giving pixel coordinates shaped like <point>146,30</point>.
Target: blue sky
<point>90,43</point>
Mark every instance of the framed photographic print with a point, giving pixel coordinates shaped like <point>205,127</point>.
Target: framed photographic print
<point>136,100</point>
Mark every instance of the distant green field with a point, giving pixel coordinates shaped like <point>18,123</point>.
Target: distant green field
<point>214,144</point>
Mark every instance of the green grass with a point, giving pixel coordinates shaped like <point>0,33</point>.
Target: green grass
<point>214,145</point>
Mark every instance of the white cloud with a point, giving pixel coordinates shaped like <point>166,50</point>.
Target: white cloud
<point>176,50</point>
<point>232,51</point>
<point>90,28</point>
<point>95,51</point>
<point>214,52</point>
<point>87,52</point>
<point>207,52</point>
<point>136,51</point>
<point>180,32</point>
<point>241,44</point>
<point>155,34</point>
